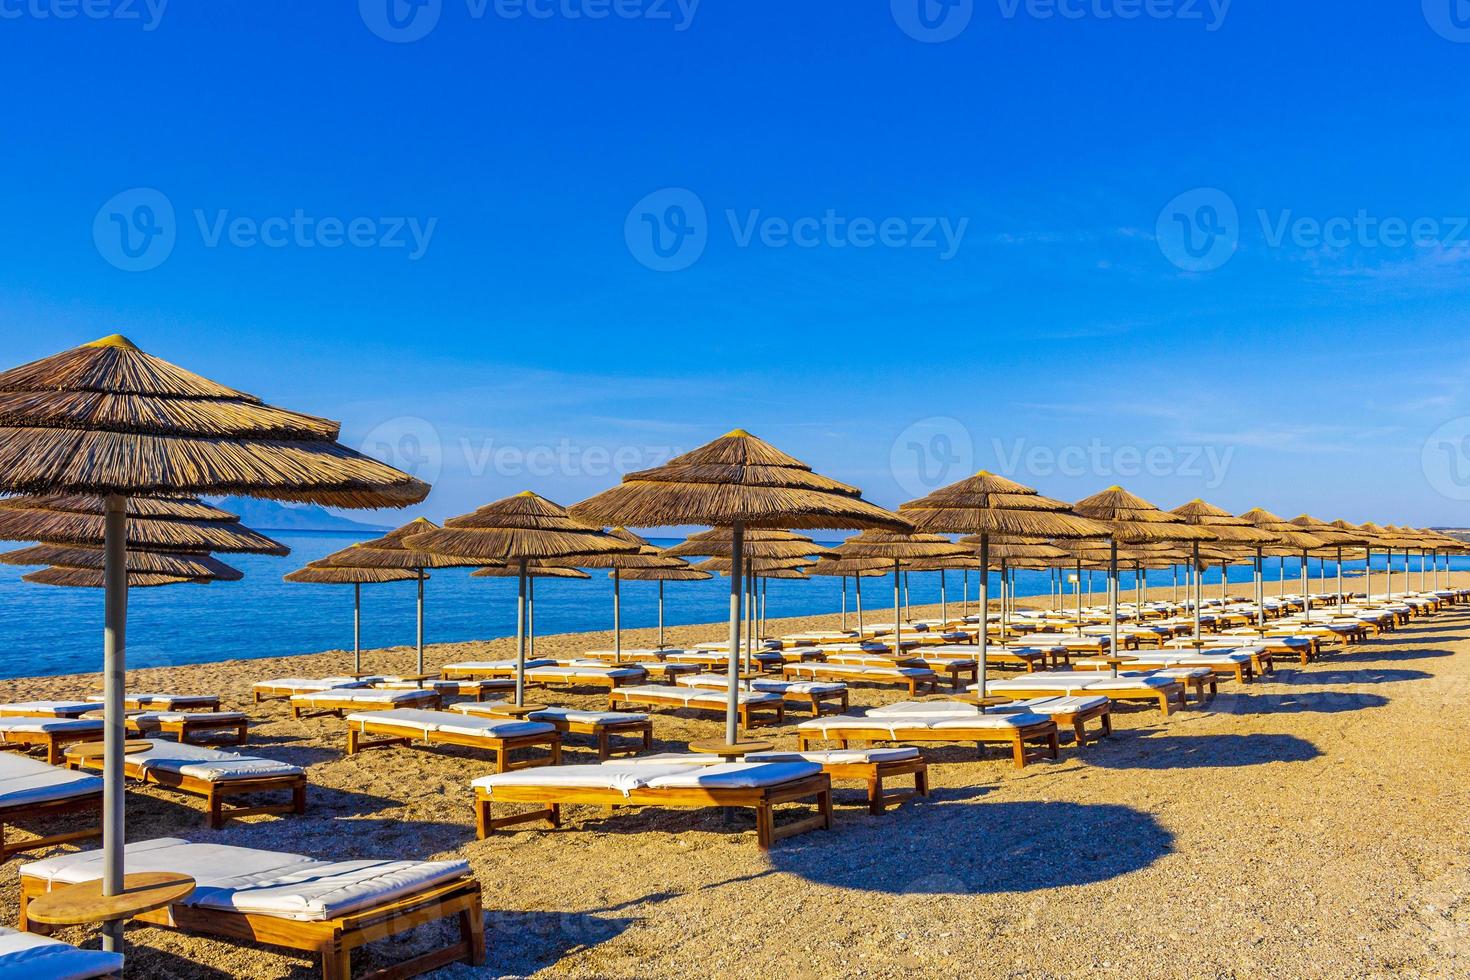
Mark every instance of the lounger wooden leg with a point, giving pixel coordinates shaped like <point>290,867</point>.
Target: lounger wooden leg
<point>1078,734</point>
<point>604,750</point>
<point>1164,702</point>
<point>921,781</point>
<point>336,962</point>
<point>764,825</point>
<point>352,741</point>
<point>1018,751</point>
<point>647,736</point>
<point>298,797</point>
<point>824,804</point>
<point>875,794</point>
<point>53,752</point>
<point>1053,743</point>
<point>502,761</point>
<point>216,817</point>
<point>472,929</point>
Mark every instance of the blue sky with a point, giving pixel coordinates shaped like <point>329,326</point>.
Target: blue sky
<point>500,323</point>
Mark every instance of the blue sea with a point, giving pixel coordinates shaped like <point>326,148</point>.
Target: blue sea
<point>46,630</point>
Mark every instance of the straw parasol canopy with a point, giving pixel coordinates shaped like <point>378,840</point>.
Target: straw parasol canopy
<point>646,556</point>
<point>1232,533</point>
<point>176,524</point>
<point>990,506</point>
<point>740,482</point>
<point>533,570</point>
<point>323,572</point>
<point>86,578</point>
<point>182,566</point>
<point>756,543</point>
<point>392,551</point>
<point>106,418</point>
<point>517,531</point>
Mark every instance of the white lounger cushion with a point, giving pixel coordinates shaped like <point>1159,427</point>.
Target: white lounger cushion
<point>27,956</point>
<point>498,664</point>
<point>452,722</point>
<point>836,757</point>
<point>50,726</point>
<point>696,695</point>
<point>620,777</point>
<point>52,709</point>
<point>798,687</point>
<point>243,879</point>
<point>200,717</point>
<point>308,684</point>
<point>924,709</point>
<point>363,696</point>
<point>571,715</point>
<point>25,782</point>
<point>893,724</point>
<point>735,775</point>
<point>585,670</point>
<point>169,702</point>
<point>206,763</point>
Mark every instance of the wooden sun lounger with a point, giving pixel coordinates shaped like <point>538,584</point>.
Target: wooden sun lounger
<point>287,687</point>
<point>810,784</point>
<point>914,679</point>
<point>1018,733</point>
<point>1037,686</point>
<point>49,709</point>
<point>169,702</point>
<point>54,734</point>
<point>452,894</point>
<point>32,791</point>
<point>185,725</point>
<point>168,764</point>
<point>713,701</point>
<point>408,726</point>
<point>811,694</point>
<point>337,702</point>
<point>870,766</point>
<point>601,725</point>
<point>1241,671</point>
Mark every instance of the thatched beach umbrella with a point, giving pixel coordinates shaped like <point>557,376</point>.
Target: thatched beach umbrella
<point>1290,538</point>
<point>517,531</point>
<point>177,524</point>
<point>1228,530</point>
<point>898,548</point>
<point>392,551</point>
<point>86,578</point>
<point>1131,520</point>
<point>990,506</point>
<point>182,566</point>
<point>646,556</point>
<point>662,575</point>
<point>324,572</point>
<point>1331,538</point>
<point>108,419</point>
<point>534,570</point>
<point>741,483</point>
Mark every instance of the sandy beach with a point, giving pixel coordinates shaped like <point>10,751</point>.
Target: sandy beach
<point>1314,824</point>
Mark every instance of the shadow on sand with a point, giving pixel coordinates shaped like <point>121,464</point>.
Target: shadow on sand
<point>1162,751</point>
<point>1295,702</point>
<point>989,847</point>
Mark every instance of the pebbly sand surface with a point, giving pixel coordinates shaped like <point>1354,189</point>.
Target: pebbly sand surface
<point>1316,824</point>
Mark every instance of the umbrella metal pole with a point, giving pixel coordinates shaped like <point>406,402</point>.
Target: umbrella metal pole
<point>1306,589</point>
<point>1256,589</point>
<point>617,617</point>
<point>1338,565</point>
<point>857,588</point>
<point>1367,574</point>
<point>1224,582</point>
<point>660,614</point>
<point>357,627</point>
<point>908,614</point>
<point>1077,592</point>
<point>531,616</point>
<point>897,619</point>
<point>749,615</point>
<point>114,654</point>
<point>943,602</point>
<point>984,611</point>
<point>521,632</point>
<point>764,583</point>
<point>420,624</point>
<point>1195,597</point>
<point>964,592</point>
<point>844,603</point>
<point>1113,600</point>
<point>732,704</point>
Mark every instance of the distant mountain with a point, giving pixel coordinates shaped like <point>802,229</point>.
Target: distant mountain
<point>272,515</point>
